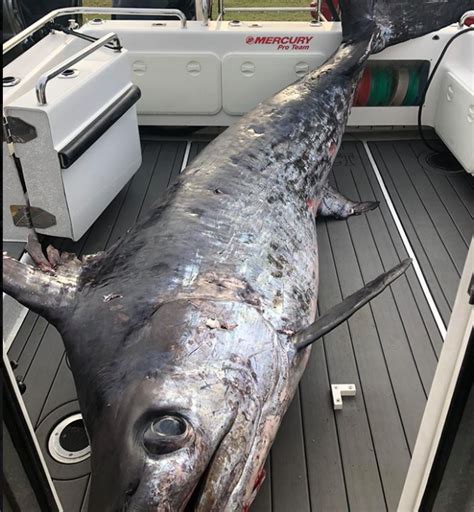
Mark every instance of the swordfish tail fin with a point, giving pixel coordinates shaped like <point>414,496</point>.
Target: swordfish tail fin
<point>389,22</point>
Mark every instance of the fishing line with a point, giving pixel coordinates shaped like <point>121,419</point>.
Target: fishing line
<point>401,87</point>
<point>427,86</point>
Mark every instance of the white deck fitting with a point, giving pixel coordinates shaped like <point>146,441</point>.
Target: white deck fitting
<point>340,390</point>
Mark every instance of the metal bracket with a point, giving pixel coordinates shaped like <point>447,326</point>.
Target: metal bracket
<point>20,131</point>
<point>31,217</point>
<point>340,390</point>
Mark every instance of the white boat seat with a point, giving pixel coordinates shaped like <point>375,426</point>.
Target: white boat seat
<point>83,143</point>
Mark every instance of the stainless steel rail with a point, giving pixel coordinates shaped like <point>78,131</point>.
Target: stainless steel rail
<point>57,70</point>
<point>269,9</point>
<point>206,8</point>
<point>223,10</point>
<point>70,11</point>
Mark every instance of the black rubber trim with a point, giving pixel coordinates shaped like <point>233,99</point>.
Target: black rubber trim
<point>450,428</point>
<point>77,147</point>
<point>17,426</point>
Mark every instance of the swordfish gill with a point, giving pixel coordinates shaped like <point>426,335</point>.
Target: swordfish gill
<point>187,338</point>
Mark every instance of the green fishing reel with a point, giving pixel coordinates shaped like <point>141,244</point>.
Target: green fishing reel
<point>390,84</point>
<point>381,86</point>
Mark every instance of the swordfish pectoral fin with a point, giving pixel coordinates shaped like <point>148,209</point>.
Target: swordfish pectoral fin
<point>49,288</point>
<point>333,204</point>
<point>342,311</point>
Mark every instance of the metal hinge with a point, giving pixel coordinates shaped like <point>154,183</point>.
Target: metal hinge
<point>18,131</point>
<point>6,134</point>
<point>31,217</point>
<point>15,130</point>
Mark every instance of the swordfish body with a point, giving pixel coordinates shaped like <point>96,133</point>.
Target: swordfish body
<point>183,337</point>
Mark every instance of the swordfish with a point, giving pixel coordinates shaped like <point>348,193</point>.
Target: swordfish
<point>188,337</point>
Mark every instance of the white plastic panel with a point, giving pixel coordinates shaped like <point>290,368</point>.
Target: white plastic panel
<point>159,57</point>
<point>249,78</point>
<point>177,83</point>
<point>268,41</point>
<point>101,172</point>
<point>454,121</point>
<point>77,195</point>
<point>44,55</point>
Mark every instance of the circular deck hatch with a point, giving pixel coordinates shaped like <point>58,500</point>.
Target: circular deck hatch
<point>440,162</point>
<point>68,442</point>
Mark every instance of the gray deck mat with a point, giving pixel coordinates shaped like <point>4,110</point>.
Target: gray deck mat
<point>14,249</point>
<point>322,460</point>
<point>437,212</point>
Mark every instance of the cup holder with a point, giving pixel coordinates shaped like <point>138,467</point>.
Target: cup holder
<point>69,73</point>
<point>10,81</point>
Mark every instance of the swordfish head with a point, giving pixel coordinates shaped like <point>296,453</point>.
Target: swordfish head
<point>177,410</point>
<point>181,399</point>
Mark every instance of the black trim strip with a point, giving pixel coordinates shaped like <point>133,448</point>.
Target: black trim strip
<point>77,147</point>
<point>450,428</point>
<point>22,441</point>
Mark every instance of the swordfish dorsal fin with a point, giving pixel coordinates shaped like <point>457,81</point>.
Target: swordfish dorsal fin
<point>342,311</point>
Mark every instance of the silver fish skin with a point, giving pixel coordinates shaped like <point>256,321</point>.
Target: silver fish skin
<point>220,272</point>
<point>179,334</point>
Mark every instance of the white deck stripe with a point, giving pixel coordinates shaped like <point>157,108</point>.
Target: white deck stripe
<point>406,243</point>
<point>186,156</point>
<point>8,341</point>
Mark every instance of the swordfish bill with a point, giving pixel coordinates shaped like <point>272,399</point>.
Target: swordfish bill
<point>181,336</point>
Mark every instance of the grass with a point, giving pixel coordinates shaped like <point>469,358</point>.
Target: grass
<point>266,16</point>
<point>247,16</point>
<point>96,3</point>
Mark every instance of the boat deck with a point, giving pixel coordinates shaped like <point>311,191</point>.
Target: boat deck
<point>323,459</point>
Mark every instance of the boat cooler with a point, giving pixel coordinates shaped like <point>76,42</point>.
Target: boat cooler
<point>76,142</point>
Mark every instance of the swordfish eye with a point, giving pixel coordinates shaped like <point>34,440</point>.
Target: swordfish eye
<point>167,434</point>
